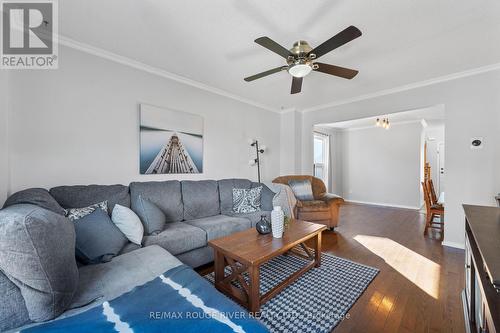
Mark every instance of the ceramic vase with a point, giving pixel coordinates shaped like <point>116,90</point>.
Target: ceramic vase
<point>277,219</point>
<point>263,226</point>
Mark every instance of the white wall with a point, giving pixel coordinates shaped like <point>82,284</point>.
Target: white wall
<point>290,142</point>
<point>79,125</point>
<point>382,166</point>
<point>472,109</point>
<point>4,148</point>
<point>336,163</point>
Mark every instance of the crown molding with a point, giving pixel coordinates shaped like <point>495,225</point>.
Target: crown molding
<point>410,86</point>
<point>83,47</point>
<point>287,110</point>
<point>71,43</point>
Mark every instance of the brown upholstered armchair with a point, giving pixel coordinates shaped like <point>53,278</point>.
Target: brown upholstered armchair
<point>324,209</point>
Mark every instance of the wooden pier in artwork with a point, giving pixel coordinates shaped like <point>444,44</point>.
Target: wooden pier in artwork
<point>173,158</point>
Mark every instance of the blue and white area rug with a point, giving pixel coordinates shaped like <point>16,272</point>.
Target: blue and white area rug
<point>318,300</point>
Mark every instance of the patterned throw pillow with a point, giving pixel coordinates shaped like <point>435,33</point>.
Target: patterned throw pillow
<point>246,200</point>
<point>77,213</point>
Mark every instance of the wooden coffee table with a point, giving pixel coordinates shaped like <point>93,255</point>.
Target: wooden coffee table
<point>248,250</point>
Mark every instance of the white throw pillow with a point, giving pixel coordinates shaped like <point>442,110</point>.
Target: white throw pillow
<point>128,223</point>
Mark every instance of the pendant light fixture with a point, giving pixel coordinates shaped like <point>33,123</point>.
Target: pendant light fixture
<point>384,123</point>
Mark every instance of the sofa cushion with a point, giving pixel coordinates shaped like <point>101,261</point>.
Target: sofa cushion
<point>221,225</point>
<point>129,247</point>
<point>13,312</point>
<point>152,217</point>
<point>35,196</point>
<point>178,237</point>
<point>129,223</point>
<point>98,239</point>
<point>166,195</point>
<point>200,198</point>
<point>226,192</point>
<point>197,257</point>
<point>86,195</point>
<point>254,217</point>
<point>37,253</point>
<point>314,205</point>
<point>109,280</point>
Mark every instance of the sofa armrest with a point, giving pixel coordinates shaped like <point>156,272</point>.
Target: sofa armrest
<point>284,197</point>
<point>332,199</point>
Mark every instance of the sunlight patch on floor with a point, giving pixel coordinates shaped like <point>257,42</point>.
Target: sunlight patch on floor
<point>424,273</point>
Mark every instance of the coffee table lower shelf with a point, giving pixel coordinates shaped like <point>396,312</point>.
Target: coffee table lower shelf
<point>249,295</point>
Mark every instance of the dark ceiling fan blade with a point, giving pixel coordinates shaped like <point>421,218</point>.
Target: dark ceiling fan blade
<point>346,73</point>
<point>266,73</point>
<point>343,37</point>
<point>296,85</point>
<point>271,45</point>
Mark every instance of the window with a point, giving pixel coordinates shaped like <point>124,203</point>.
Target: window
<point>321,156</point>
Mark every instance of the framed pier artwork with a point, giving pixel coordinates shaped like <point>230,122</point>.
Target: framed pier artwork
<point>170,141</point>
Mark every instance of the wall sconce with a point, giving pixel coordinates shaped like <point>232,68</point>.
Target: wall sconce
<point>258,150</point>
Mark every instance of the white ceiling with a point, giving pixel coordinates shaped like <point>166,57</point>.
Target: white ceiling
<point>433,116</point>
<point>404,41</point>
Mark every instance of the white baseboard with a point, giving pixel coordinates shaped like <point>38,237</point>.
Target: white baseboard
<point>382,204</point>
<point>454,245</point>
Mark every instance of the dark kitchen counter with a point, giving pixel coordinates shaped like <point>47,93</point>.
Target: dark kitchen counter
<point>484,223</point>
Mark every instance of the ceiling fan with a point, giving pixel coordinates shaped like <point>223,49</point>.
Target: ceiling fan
<point>301,58</point>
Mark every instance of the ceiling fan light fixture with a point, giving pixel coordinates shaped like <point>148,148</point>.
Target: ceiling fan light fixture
<point>300,59</point>
<point>300,70</point>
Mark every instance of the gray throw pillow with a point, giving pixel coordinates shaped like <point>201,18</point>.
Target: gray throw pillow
<point>302,189</point>
<point>246,200</point>
<point>266,198</point>
<point>37,253</point>
<point>151,215</point>
<point>35,196</point>
<point>77,213</point>
<point>98,239</point>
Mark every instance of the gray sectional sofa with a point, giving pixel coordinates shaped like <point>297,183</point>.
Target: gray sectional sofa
<point>196,211</point>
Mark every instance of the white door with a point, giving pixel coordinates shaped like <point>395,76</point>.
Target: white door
<point>441,169</point>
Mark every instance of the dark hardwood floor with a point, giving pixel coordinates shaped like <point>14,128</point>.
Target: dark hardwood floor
<point>419,284</point>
